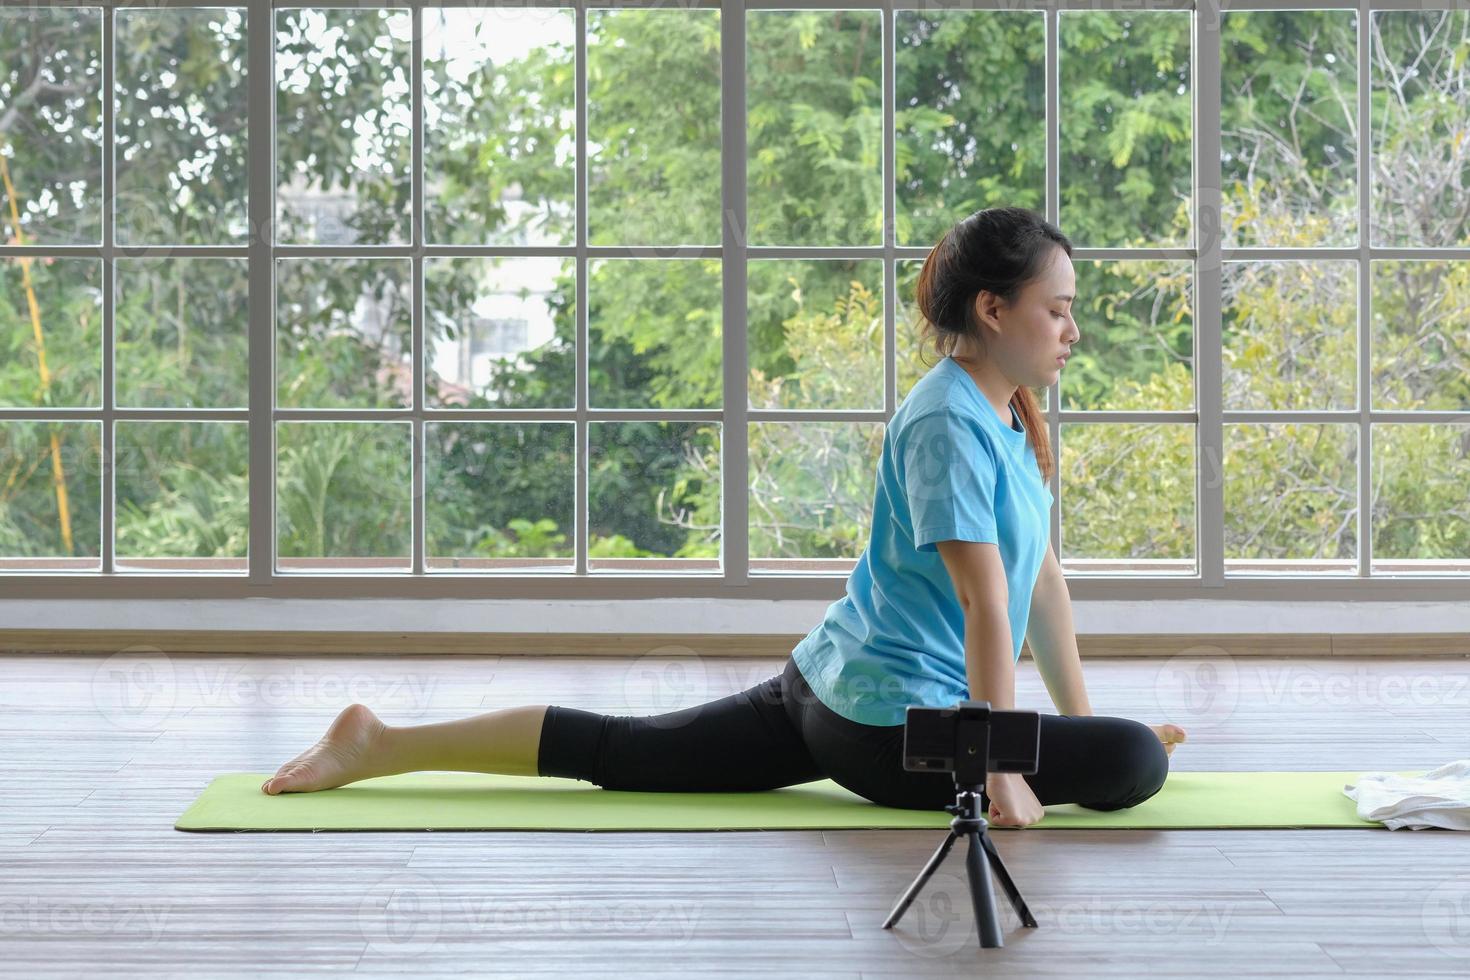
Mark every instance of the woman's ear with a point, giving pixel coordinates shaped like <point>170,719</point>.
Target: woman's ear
<point>987,310</point>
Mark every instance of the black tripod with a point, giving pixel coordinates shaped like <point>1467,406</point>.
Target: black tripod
<point>968,761</point>
<point>968,823</point>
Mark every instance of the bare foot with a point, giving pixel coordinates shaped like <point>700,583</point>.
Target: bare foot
<point>342,755</point>
<point>1170,734</point>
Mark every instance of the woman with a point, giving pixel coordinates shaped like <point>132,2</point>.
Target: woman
<point>935,609</point>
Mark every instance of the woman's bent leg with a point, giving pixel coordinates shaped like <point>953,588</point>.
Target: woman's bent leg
<point>1098,762</point>
<point>1101,763</point>
<point>742,742</point>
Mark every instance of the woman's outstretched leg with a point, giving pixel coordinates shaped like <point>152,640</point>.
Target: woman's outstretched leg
<point>743,742</point>
<point>358,745</point>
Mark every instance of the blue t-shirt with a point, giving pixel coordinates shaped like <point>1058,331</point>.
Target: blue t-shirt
<point>951,470</point>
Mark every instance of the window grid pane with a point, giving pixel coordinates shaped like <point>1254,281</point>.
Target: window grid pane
<point>1386,274</point>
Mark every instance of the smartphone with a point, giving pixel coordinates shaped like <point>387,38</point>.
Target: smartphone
<point>934,738</point>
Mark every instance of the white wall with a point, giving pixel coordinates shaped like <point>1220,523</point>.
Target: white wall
<point>697,615</point>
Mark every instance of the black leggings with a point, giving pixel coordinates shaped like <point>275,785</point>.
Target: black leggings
<point>778,733</point>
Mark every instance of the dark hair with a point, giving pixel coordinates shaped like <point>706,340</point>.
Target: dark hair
<point>999,249</point>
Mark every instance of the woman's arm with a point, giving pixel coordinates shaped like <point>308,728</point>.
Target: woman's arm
<point>1053,639</point>
<point>980,584</point>
<point>989,666</point>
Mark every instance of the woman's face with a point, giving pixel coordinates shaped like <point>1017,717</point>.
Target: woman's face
<point>1024,340</point>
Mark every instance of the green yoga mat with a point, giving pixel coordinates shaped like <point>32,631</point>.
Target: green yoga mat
<point>476,801</point>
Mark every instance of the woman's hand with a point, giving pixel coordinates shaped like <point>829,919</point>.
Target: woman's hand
<point>1169,735</point>
<point>1012,804</point>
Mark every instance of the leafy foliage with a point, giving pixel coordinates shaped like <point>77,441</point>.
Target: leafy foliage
<point>498,170</point>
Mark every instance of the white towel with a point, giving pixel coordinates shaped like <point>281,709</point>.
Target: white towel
<point>1438,798</point>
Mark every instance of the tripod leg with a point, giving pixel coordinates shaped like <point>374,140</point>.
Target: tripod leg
<point>982,894</point>
<point>918,883</point>
<point>1012,892</point>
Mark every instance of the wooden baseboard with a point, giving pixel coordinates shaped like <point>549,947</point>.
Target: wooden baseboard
<point>380,643</point>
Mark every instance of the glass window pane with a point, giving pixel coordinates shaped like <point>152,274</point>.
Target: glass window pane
<point>811,488</point>
<point>499,495</point>
<point>1421,99</point>
<point>343,126</point>
<point>816,333</point>
<point>343,496</point>
<point>1290,335</point>
<point>343,334</point>
<point>908,328</point>
<point>1289,128</point>
<point>501,332</point>
<point>51,504</point>
<point>499,125</point>
<point>182,333</point>
<point>970,116</point>
<point>656,337</point>
<point>814,134</point>
<point>181,84</point>
<point>1126,128</point>
<point>1128,502</point>
<point>1136,347</point>
<point>51,332</point>
<point>1421,513</point>
<point>1421,336</point>
<point>1291,498</point>
<point>51,125</point>
<point>653,127</point>
<point>654,497</point>
<point>183,496</point>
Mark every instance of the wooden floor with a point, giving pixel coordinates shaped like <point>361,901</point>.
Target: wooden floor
<point>98,756</point>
